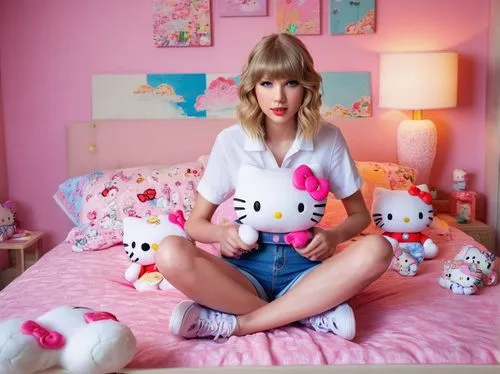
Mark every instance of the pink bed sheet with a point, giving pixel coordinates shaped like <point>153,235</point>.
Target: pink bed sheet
<point>399,320</point>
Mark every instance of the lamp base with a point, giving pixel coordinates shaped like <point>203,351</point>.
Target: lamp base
<point>417,141</point>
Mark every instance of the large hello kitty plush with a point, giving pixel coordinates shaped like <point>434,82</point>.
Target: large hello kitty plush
<point>80,340</point>
<point>281,200</point>
<point>141,239</point>
<point>404,214</point>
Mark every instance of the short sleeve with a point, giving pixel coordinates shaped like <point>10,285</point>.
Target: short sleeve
<point>344,177</point>
<point>216,184</point>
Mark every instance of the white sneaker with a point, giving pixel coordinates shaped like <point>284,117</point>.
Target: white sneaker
<point>339,320</point>
<point>191,320</point>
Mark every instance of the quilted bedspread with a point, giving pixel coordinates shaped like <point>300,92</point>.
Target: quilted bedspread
<point>399,320</point>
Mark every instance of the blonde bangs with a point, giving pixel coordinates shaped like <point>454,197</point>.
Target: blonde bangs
<point>280,56</point>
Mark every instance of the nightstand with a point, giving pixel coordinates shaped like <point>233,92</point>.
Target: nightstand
<point>34,240</point>
<point>480,231</point>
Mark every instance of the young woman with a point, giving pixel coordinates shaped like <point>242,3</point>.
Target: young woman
<point>280,127</point>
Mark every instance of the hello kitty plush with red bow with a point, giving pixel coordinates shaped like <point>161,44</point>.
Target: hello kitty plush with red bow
<point>141,239</point>
<point>78,339</point>
<point>404,214</point>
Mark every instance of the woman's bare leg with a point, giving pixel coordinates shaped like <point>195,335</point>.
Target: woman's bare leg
<point>205,278</point>
<point>333,282</point>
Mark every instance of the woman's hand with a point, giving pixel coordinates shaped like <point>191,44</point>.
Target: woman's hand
<point>321,245</point>
<point>230,243</point>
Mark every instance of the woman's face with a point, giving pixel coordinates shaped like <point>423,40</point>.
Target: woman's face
<point>279,100</point>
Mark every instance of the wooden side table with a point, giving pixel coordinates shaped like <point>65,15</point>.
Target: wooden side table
<point>21,244</point>
<point>480,231</point>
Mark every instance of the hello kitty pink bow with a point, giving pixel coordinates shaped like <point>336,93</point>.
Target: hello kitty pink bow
<point>304,179</point>
<point>425,196</point>
<point>46,338</point>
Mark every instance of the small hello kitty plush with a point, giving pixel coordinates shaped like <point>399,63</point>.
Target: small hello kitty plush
<point>484,260</point>
<point>461,277</point>
<point>404,214</point>
<point>284,200</point>
<point>141,239</point>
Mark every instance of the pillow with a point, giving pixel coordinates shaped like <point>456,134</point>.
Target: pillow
<point>98,202</point>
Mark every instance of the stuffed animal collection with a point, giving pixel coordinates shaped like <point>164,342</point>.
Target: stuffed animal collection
<point>404,214</point>
<point>7,221</point>
<point>80,340</point>
<point>141,239</point>
<point>285,201</point>
<point>471,269</point>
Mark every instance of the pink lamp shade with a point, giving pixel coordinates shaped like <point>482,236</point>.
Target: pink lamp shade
<point>417,81</point>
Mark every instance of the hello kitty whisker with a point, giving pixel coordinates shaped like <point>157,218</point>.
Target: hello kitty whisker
<point>318,214</point>
<point>239,200</point>
<point>319,205</point>
<point>242,217</point>
<point>131,255</point>
<point>312,219</point>
<point>377,215</point>
<point>239,208</point>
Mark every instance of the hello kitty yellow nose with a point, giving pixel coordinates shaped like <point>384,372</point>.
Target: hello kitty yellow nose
<point>154,246</point>
<point>406,219</point>
<point>277,215</point>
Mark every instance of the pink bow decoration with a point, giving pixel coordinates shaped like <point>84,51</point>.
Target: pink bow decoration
<point>425,196</point>
<point>98,316</point>
<point>177,218</point>
<point>304,179</point>
<point>298,239</point>
<point>46,339</point>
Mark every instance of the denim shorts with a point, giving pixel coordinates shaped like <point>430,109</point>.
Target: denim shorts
<point>274,266</point>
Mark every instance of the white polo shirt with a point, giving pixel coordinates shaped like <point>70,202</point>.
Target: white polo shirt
<point>234,147</point>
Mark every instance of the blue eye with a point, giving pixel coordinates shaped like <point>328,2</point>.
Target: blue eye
<point>266,84</point>
<point>292,83</point>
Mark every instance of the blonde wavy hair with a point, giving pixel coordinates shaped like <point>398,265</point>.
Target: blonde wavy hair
<point>280,56</point>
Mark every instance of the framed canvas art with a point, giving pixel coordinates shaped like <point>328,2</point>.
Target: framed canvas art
<point>352,17</point>
<point>181,23</point>
<point>298,17</point>
<point>242,8</point>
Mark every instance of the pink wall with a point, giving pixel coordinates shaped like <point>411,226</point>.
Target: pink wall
<point>51,48</point>
<point>4,255</point>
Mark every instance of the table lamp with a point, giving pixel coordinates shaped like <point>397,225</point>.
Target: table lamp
<point>417,81</point>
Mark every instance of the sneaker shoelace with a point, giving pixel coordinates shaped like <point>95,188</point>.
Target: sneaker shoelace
<point>323,323</point>
<point>214,323</point>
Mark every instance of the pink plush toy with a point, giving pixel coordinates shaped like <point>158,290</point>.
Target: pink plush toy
<point>7,221</point>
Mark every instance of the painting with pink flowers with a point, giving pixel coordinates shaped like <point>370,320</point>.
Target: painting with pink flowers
<point>181,23</point>
<point>298,17</point>
<point>242,8</point>
<point>160,96</point>
<point>200,95</point>
<point>352,17</point>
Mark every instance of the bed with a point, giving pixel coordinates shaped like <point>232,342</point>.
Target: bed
<point>400,320</point>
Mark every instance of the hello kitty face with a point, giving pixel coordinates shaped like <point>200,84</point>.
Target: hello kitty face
<point>402,210</point>
<point>459,175</point>
<point>142,236</point>
<point>467,275</point>
<point>483,260</point>
<point>267,200</point>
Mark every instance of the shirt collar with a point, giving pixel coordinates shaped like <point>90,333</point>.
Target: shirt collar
<point>253,144</point>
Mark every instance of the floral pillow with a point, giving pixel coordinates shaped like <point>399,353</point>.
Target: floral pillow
<point>98,202</point>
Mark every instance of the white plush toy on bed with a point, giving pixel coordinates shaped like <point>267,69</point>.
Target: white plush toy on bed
<point>141,238</point>
<point>471,269</point>
<point>283,201</point>
<point>404,214</point>
<point>80,340</point>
